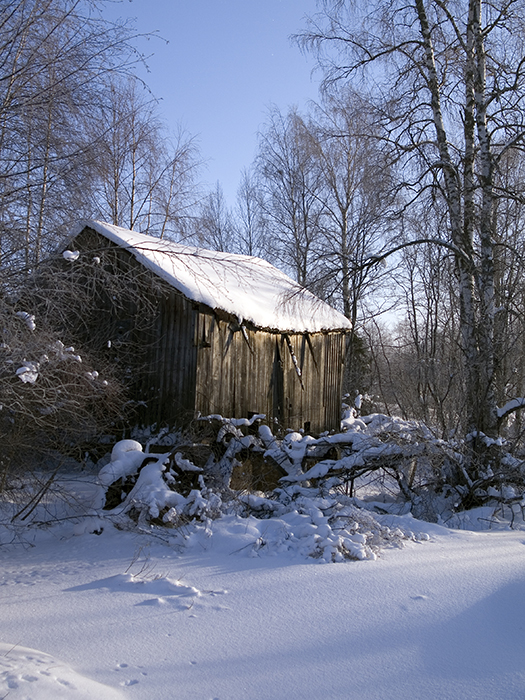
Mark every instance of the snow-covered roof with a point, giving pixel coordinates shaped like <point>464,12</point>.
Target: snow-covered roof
<point>249,288</point>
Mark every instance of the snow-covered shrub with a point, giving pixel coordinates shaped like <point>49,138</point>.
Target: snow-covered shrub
<point>57,398</point>
<point>383,458</point>
<point>103,302</point>
<point>169,490</point>
<point>164,489</point>
<point>330,529</point>
<point>341,496</point>
<point>52,399</point>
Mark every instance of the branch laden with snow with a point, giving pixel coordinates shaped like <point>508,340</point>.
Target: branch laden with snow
<point>51,398</point>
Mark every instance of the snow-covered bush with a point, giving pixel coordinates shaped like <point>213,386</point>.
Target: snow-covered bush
<point>164,489</point>
<point>103,302</point>
<point>52,399</point>
<point>301,515</point>
<point>335,493</point>
<point>56,398</point>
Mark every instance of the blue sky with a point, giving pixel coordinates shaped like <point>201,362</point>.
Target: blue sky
<point>225,63</point>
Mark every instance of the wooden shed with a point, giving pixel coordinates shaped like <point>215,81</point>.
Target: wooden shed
<point>232,335</point>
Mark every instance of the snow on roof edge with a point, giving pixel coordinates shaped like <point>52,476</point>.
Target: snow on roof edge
<point>249,288</point>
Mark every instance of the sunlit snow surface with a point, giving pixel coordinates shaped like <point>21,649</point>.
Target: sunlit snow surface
<point>142,618</point>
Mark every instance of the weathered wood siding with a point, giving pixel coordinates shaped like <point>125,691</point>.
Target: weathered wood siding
<point>314,398</point>
<point>241,371</point>
<point>234,368</point>
<point>168,383</point>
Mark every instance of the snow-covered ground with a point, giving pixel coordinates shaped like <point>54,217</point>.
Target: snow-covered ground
<point>90,611</point>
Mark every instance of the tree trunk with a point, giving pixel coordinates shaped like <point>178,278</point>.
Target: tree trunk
<point>477,325</point>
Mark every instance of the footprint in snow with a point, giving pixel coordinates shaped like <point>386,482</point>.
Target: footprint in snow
<point>171,602</point>
<point>131,681</point>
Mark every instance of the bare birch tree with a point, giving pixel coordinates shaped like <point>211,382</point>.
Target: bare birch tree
<point>55,55</point>
<point>249,219</point>
<point>291,184</point>
<point>357,199</point>
<point>213,226</point>
<point>141,177</point>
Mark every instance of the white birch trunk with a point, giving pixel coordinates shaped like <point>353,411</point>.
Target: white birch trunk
<point>477,310</point>
<point>486,277</point>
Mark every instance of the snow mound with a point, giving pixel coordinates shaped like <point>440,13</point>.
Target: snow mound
<point>27,673</point>
<point>153,590</point>
<point>126,457</point>
<point>304,534</point>
<point>158,585</point>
